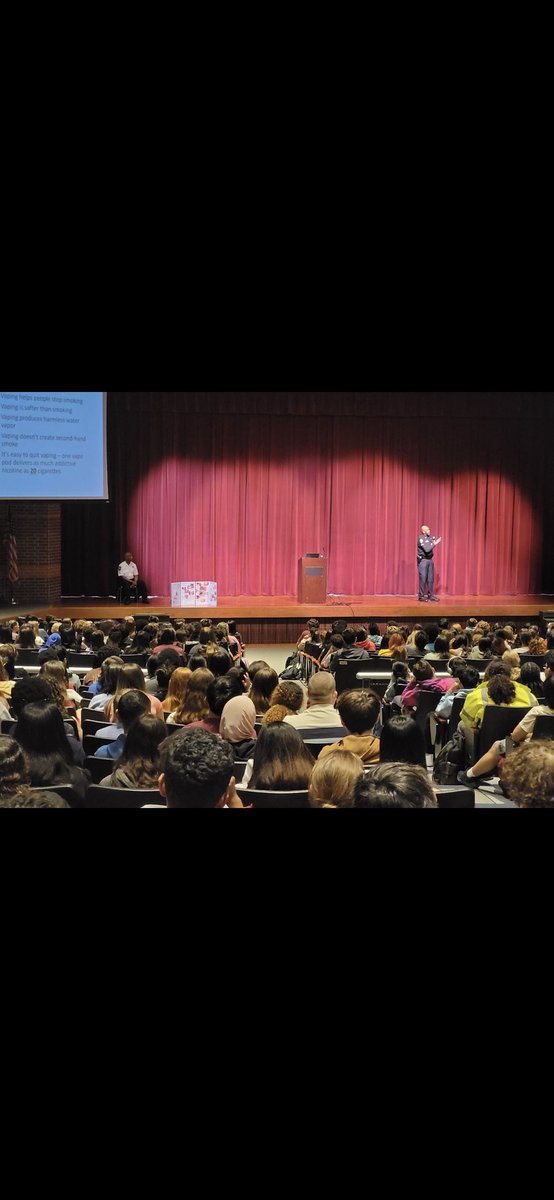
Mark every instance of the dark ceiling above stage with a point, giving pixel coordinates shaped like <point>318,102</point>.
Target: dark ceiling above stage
<point>401,405</point>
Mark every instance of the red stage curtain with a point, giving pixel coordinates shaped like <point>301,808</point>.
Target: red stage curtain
<point>235,487</point>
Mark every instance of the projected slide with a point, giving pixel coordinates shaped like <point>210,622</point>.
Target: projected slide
<point>53,446</point>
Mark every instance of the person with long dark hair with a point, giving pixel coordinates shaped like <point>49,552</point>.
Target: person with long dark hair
<point>282,763</point>
<point>263,685</point>
<point>402,741</point>
<point>139,765</point>
<point>40,732</point>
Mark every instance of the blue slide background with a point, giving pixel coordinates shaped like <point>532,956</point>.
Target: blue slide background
<point>53,445</point>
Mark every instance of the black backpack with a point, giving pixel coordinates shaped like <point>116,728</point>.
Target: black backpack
<point>450,760</point>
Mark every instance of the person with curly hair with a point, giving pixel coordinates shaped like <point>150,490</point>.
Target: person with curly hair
<point>286,700</point>
<point>528,775</point>
<point>494,758</point>
<point>197,771</point>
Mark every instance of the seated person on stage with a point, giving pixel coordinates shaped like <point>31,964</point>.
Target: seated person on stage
<point>129,576</point>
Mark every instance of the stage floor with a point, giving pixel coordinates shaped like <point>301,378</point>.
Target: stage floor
<point>284,608</point>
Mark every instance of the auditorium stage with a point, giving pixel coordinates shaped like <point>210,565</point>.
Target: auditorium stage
<point>280,619</point>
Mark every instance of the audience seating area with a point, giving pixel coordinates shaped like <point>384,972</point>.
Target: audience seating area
<point>370,672</point>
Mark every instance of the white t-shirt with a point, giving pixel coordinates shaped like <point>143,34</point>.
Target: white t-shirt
<point>128,570</point>
<point>528,722</point>
<point>317,714</point>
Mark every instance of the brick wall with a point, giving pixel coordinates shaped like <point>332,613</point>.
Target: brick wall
<point>37,529</point>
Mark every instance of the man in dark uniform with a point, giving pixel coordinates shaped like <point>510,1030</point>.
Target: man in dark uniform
<point>425,565</point>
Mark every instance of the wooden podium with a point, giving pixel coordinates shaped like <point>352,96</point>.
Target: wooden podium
<point>312,581</point>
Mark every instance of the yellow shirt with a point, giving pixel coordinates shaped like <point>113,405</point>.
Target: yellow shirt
<point>472,712</point>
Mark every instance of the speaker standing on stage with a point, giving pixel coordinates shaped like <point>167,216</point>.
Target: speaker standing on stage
<point>129,576</point>
<point>425,565</point>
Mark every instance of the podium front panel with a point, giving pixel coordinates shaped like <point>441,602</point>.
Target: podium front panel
<point>312,581</point>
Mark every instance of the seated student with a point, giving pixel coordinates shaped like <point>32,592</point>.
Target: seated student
<point>263,685</point>
<point>167,638</point>
<point>458,647</point>
<point>178,684</point>
<point>165,662</point>
<point>15,781</point>
<point>466,679</point>
<point>440,648</point>
<point>364,642</point>
<point>229,641</point>
<point>395,785</point>
<point>400,674</point>
<point>524,637</point>
<point>26,639</point>
<point>334,779</point>
<point>395,648</point>
<point>220,691</point>
<point>538,646</point>
<point>359,712</point>
<point>310,634</point>
<point>6,688</point>
<point>474,707</point>
<point>130,706</point>
<point>432,632</point>
<point>194,704</point>
<point>107,683</point>
<point>321,709</point>
<point>197,771</point>
<point>402,740</point>
<point>522,732</point>
<point>54,670</point>
<point>285,701</point>
<point>416,649</point>
<point>67,633</point>
<point>219,662</point>
<point>511,657</point>
<point>131,676</point>
<point>530,677</point>
<point>500,643</point>
<point>375,634</point>
<point>333,651</point>
<point>351,651</point>
<point>423,680</point>
<point>139,765</point>
<point>35,689</point>
<point>237,727</point>
<point>41,734</point>
<point>528,775</point>
<point>482,650</point>
<point>548,668</point>
<point>281,762</point>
